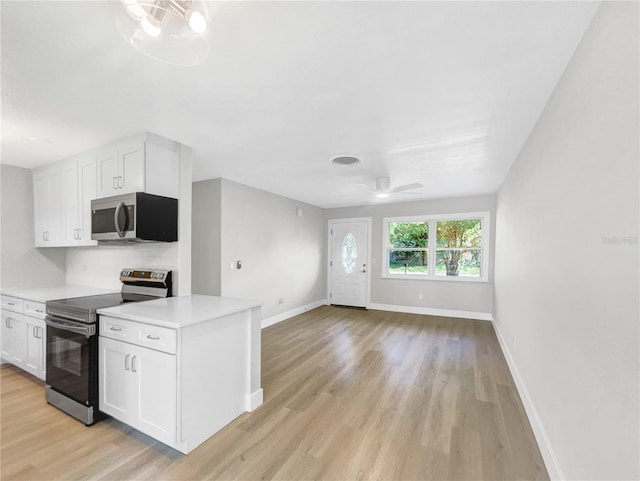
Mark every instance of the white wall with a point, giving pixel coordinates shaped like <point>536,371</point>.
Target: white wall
<point>206,237</point>
<point>21,264</point>
<point>566,274</point>
<point>282,254</point>
<point>100,266</point>
<point>469,298</point>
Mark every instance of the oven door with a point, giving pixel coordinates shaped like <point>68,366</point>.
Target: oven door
<point>72,350</point>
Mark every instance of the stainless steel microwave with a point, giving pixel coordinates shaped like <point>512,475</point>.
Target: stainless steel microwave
<point>136,217</point>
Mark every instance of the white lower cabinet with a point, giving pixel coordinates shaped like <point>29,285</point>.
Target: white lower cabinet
<point>138,387</point>
<point>23,342</point>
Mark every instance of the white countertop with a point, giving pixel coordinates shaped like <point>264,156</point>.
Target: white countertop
<point>44,294</point>
<point>182,311</point>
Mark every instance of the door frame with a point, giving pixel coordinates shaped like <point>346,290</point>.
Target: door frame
<point>330,224</point>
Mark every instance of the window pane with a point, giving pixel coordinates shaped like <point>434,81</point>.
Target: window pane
<point>458,262</point>
<point>459,233</point>
<point>408,234</point>
<point>408,262</point>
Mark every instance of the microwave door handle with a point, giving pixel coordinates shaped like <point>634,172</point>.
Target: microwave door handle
<point>116,219</point>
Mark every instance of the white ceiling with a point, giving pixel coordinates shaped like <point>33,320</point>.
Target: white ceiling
<point>441,93</point>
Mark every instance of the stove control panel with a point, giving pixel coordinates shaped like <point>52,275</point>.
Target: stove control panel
<point>149,275</point>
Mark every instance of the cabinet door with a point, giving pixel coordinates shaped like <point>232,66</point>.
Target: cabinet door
<point>107,166</point>
<point>54,216</point>
<point>7,336</point>
<point>155,377</point>
<point>116,392</point>
<point>18,328</point>
<point>47,206</point>
<point>70,202</point>
<point>34,356</point>
<point>40,207</point>
<point>131,159</point>
<point>87,191</point>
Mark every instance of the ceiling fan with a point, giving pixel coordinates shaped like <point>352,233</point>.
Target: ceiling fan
<point>383,188</point>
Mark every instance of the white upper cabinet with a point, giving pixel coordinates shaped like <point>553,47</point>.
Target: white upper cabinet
<point>47,205</point>
<point>79,181</point>
<point>142,163</point>
<point>63,191</point>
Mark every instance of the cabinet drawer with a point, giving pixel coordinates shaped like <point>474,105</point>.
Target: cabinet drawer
<point>35,309</point>
<point>12,304</point>
<point>153,337</point>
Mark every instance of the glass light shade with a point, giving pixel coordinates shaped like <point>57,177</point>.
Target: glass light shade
<point>149,28</point>
<point>197,22</point>
<point>164,32</point>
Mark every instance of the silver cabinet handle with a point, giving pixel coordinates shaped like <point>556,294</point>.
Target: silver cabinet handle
<point>126,362</point>
<point>116,329</point>
<point>119,182</point>
<point>11,303</point>
<point>35,332</point>
<point>39,310</point>
<point>115,183</point>
<point>153,338</point>
<point>79,234</point>
<point>133,364</point>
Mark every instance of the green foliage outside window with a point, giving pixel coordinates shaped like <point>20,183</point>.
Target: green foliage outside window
<point>458,247</point>
<point>408,235</point>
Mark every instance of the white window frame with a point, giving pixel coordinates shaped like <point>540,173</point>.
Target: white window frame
<point>432,220</point>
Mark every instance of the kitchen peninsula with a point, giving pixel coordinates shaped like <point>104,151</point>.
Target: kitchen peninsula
<point>181,368</point>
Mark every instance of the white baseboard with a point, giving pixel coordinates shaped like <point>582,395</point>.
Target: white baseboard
<point>550,460</point>
<point>270,321</point>
<point>429,311</point>
<point>255,400</point>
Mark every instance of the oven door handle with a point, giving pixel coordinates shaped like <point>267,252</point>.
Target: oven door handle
<point>87,330</point>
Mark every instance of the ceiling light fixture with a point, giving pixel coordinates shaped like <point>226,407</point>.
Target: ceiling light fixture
<point>173,31</point>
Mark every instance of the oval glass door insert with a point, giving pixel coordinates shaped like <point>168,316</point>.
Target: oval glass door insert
<point>349,253</point>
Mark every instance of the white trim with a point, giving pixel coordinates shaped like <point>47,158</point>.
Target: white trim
<point>270,321</point>
<point>255,399</point>
<point>430,311</point>
<point>548,456</point>
<point>369,221</point>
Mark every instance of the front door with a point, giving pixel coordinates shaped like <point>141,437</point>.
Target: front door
<point>349,266</point>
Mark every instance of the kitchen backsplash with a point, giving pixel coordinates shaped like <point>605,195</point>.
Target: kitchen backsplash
<point>100,266</point>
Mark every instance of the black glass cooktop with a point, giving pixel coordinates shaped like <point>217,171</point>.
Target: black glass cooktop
<point>89,304</point>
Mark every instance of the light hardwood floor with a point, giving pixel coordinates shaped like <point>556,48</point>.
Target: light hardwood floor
<point>349,395</point>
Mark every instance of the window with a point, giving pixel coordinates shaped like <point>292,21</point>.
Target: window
<point>449,247</point>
